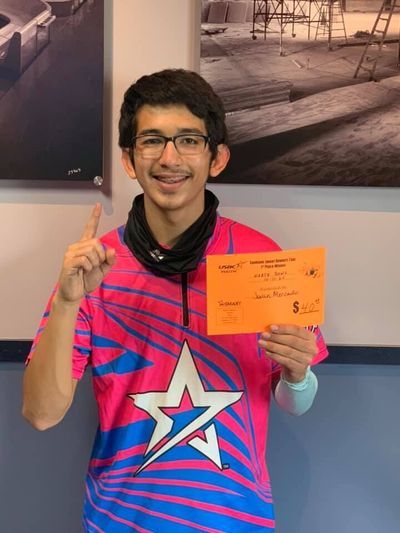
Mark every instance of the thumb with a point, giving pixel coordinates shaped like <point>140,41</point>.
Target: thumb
<point>110,260</point>
<point>111,256</point>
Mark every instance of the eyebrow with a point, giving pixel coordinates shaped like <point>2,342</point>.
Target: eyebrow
<point>154,131</point>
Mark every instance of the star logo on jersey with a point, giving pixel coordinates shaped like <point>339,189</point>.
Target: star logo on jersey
<point>184,411</point>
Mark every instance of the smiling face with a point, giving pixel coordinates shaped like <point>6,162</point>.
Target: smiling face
<point>173,184</point>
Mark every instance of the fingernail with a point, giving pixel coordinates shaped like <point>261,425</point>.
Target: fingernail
<point>274,328</point>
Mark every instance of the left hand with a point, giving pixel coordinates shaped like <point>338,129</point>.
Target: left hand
<point>293,347</point>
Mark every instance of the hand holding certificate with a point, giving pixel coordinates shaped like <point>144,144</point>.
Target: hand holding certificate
<point>248,292</point>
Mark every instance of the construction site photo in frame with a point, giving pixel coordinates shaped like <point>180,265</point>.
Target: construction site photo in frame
<point>51,90</point>
<point>311,89</point>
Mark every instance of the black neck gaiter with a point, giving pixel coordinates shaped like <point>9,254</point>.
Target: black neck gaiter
<point>187,252</point>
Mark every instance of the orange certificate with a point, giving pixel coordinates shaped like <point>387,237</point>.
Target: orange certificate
<point>248,292</point>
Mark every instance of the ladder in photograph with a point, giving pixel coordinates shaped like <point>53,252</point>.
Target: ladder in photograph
<point>377,37</point>
<point>331,21</point>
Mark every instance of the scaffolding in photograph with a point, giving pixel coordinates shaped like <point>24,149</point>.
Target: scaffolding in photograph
<point>324,15</point>
<point>369,58</point>
<point>331,22</point>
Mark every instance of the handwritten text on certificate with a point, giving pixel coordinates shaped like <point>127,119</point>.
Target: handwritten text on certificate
<point>248,292</point>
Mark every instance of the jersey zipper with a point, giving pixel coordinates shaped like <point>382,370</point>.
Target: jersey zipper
<point>185,305</point>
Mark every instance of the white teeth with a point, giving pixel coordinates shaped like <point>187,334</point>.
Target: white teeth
<point>171,180</point>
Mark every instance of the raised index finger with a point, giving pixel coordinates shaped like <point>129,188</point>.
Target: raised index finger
<point>92,224</point>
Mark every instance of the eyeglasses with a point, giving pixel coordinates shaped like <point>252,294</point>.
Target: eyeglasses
<point>152,146</point>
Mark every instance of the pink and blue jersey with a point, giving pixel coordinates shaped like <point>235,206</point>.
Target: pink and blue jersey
<point>182,415</point>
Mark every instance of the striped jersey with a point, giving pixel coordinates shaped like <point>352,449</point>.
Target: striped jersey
<point>183,416</point>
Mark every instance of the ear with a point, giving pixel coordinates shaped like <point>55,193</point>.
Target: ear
<point>127,163</point>
<point>220,160</point>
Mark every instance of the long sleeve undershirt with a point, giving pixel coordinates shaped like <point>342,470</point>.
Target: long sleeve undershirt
<point>297,398</point>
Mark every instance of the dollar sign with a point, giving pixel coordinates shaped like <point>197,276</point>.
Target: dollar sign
<point>295,307</point>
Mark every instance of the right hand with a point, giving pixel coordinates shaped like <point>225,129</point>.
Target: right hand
<point>86,263</point>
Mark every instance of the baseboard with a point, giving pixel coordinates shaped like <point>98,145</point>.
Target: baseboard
<point>17,350</point>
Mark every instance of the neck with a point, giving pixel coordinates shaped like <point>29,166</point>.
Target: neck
<point>167,227</point>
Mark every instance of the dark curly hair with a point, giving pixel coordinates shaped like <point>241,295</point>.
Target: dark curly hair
<point>174,87</point>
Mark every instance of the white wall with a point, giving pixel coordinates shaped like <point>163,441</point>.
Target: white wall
<point>359,227</point>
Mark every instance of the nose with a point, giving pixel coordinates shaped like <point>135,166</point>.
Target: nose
<point>170,154</point>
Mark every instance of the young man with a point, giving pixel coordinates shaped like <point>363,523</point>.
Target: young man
<point>182,415</point>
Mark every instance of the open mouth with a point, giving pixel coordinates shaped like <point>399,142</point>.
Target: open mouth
<point>177,178</point>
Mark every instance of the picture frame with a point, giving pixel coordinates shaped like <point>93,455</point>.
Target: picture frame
<point>309,101</point>
<point>51,90</point>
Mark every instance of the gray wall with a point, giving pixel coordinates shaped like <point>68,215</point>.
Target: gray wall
<point>335,469</point>
<point>42,473</point>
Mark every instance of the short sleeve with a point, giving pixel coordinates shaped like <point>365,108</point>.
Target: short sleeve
<point>322,349</point>
<point>81,354</point>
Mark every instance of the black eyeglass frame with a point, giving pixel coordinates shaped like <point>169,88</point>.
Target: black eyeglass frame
<point>206,139</point>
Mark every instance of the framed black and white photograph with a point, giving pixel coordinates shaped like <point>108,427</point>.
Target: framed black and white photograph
<point>51,89</point>
<point>311,89</point>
